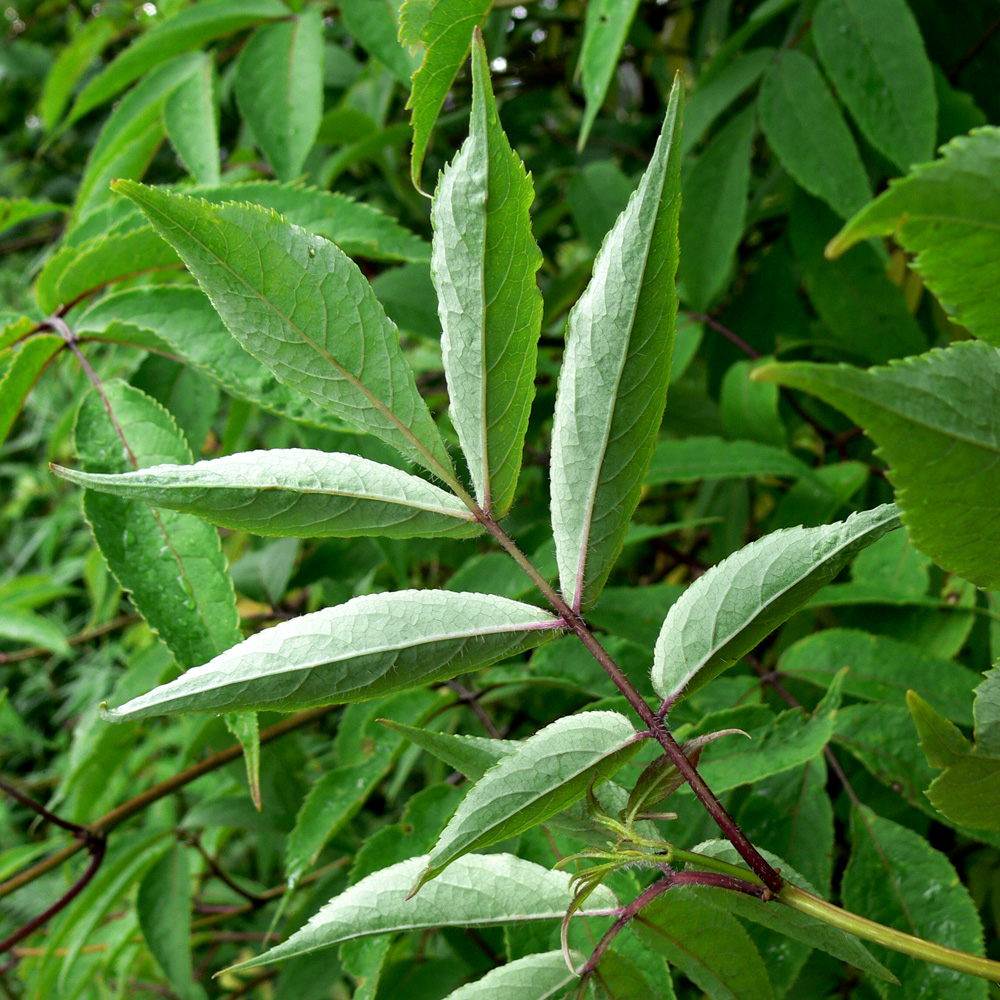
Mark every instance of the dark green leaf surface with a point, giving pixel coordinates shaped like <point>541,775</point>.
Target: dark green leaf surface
<point>691,459</point>
<point>935,426</point>
<point>279,88</point>
<point>476,891</point>
<point>368,647</point>
<point>373,24</point>
<point>946,214</point>
<point>809,135</point>
<point>296,491</point>
<point>483,266</point>
<point>727,611</point>
<point>613,383</point>
<point>873,52</point>
<point>26,364</point>
<point>300,306</point>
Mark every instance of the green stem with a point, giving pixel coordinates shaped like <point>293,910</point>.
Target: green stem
<point>869,930</point>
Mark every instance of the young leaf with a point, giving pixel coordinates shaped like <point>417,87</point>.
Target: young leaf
<point>447,34</point>
<point>191,119</point>
<point>28,362</point>
<point>535,977</point>
<point>613,383</point>
<point>897,878</point>
<point>479,890</point>
<point>933,423</point>
<point>875,56</point>
<point>164,909</point>
<point>604,32</point>
<point>807,132</point>
<point>713,210</point>
<point>945,213</point>
<point>483,265</point>
<point>368,647</point>
<point>688,460</point>
<point>279,88</point>
<point>548,772</point>
<point>189,29</point>
<point>727,611</point>
<point>298,304</point>
<point>295,491</point>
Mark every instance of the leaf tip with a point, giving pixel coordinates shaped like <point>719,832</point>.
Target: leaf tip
<point>109,714</point>
<point>425,876</point>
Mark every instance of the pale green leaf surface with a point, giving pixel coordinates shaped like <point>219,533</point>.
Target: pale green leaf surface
<point>708,946</point>
<point>728,610</point>
<point>713,210</point>
<point>936,421</point>
<point>987,714</point>
<point>27,364</point>
<point>613,383</point>
<point>368,647</point>
<point>483,266</point>
<point>14,211</point>
<point>171,563</point>
<point>688,460</point>
<point>873,52</point>
<point>546,773</point>
<point>947,214</point>
<point>479,890</point>
<point>882,669</point>
<point>535,977</point>
<point>295,491</point>
<point>302,307</point>
<point>88,41</point>
<point>604,32</point>
<point>897,878</point>
<point>279,89</point>
<point>809,135</point>
<point>783,919</point>
<point>191,118</point>
<point>25,627</point>
<point>447,35</point>
<point>188,29</point>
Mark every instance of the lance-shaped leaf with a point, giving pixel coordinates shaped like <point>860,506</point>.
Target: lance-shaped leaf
<point>936,424</point>
<point>191,118</point>
<point>26,364</point>
<point>447,33</point>
<point>295,491</point>
<point>483,265</point>
<point>472,755</point>
<point>88,41</point>
<point>613,384</point>
<point>299,305</point>
<point>727,611</point>
<point>946,213</point>
<point>279,88</point>
<point>689,459</point>
<point>535,977</point>
<point>477,891</point>
<point>366,648</point>
<point>548,772</point>
<point>14,211</point>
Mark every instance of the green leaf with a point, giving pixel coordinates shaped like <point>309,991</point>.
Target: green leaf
<point>748,412</point>
<point>191,118</point>
<point>472,755</point>
<point>26,627</point>
<point>726,612</point>
<point>987,714</point>
<point>875,57</point>
<point>613,383</point>
<point>373,24</point>
<point>604,32</point>
<point>783,919</point>
<point>447,35</point>
<point>28,362</point>
<point>945,213</point>
<point>163,906</point>
<point>968,793</point>
<point>896,877</point>
<point>807,132</point>
<point>535,977</point>
<point>483,265</point>
<point>930,418</point>
<point>479,890</point>
<point>941,740</point>
<point>708,946</point>
<point>279,89</point>
<point>691,459</point>
<point>171,564</point>
<point>88,41</point>
<point>713,210</point>
<point>295,491</point>
<point>303,308</point>
<point>368,647</point>
<point>881,670</point>
<point>546,773</point>
<point>14,211</point>
<point>189,29</point>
